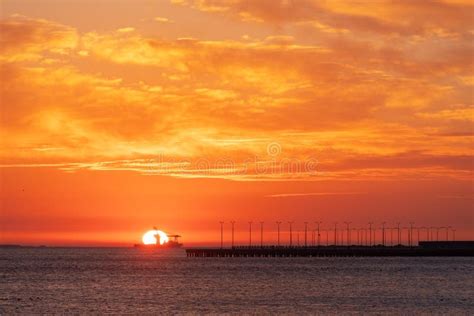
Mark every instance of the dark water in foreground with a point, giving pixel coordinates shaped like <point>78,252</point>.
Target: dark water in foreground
<point>134,281</point>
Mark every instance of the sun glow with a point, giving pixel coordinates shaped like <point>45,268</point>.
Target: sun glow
<point>149,238</point>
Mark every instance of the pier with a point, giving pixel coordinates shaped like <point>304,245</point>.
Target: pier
<point>424,249</point>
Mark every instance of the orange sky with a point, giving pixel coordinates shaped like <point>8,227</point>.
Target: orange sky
<point>119,116</point>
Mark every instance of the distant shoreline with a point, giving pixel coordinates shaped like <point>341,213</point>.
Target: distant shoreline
<point>21,246</point>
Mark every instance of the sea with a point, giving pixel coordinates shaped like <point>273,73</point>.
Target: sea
<point>148,281</point>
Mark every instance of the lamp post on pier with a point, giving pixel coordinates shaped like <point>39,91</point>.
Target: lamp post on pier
<point>348,237</point>
<point>370,233</point>
<point>232,223</point>
<point>398,232</point>
<point>278,232</point>
<point>291,233</point>
<point>250,234</point>
<point>391,236</point>
<point>306,234</point>
<point>383,233</point>
<point>447,231</point>
<point>222,234</point>
<point>411,234</point>
<point>319,235</point>
<point>432,236</point>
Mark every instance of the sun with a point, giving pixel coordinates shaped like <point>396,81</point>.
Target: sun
<point>149,238</point>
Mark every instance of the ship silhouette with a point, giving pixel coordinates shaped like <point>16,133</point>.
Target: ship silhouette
<point>172,243</point>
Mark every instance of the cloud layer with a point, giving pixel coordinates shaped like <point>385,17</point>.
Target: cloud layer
<point>361,91</point>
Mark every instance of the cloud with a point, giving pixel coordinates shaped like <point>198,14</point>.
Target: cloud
<point>284,195</point>
<point>276,72</point>
<point>160,19</point>
<point>407,160</point>
<point>380,17</point>
<point>460,114</point>
<point>23,38</point>
<point>433,38</point>
<point>126,30</point>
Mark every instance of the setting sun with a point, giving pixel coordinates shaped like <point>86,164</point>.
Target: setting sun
<point>149,238</point>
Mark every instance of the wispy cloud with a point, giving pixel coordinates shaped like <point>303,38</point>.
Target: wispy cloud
<point>457,197</point>
<point>284,195</point>
<point>162,20</point>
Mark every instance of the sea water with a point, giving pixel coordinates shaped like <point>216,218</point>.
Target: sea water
<point>146,281</point>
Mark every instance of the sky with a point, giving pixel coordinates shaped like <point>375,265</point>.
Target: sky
<point>117,116</point>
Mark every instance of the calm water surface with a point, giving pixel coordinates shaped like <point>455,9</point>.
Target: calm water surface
<point>134,281</point>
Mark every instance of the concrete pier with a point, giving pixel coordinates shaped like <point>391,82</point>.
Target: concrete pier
<point>425,249</point>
